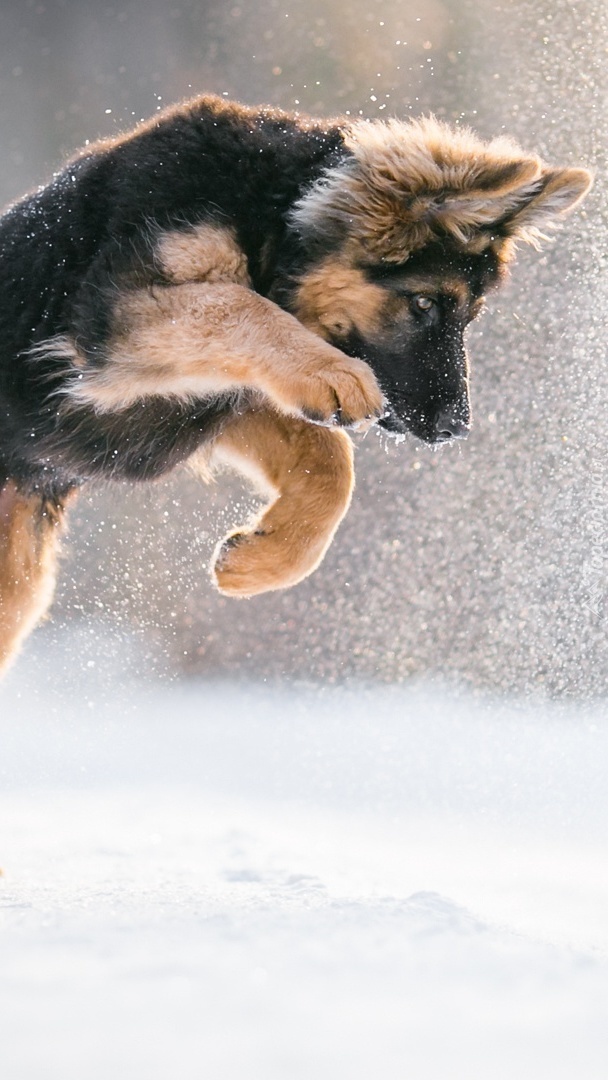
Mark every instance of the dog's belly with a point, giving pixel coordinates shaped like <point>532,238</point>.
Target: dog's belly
<point>139,443</point>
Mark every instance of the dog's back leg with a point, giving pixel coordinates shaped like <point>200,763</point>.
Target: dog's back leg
<point>308,470</point>
<point>30,527</point>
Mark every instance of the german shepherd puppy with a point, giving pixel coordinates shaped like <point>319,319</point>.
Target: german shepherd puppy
<point>238,284</point>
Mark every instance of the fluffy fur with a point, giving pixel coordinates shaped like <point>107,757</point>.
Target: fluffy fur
<point>243,284</point>
<point>404,185</point>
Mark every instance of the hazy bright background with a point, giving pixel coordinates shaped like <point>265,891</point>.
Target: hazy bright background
<point>484,562</point>
<point>217,862</point>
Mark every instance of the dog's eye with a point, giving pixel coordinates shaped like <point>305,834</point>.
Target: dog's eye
<point>423,303</point>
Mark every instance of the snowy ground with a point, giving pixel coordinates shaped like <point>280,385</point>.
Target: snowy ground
<point>252,883</point>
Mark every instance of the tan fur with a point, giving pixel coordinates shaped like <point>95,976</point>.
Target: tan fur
<point>29,535</point>
<point>207,253</point>
<point>409,182</point>
<point>561,190</point>
<point>309,470</point>
<point>60,348</point>
<point>190,341</point>
<point>334,297</point>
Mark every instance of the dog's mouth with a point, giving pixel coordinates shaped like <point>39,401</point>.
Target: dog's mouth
<point>393,424</point>
<point>434,423</point>
<point>398,425</point>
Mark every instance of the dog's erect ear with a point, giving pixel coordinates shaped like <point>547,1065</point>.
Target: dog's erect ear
<point>404,184</point>
<point>557,192</point>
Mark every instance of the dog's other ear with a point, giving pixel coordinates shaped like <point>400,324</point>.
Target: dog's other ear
<point>557,192</point>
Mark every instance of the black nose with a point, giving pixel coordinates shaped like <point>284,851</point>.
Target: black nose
<point>448,426</point>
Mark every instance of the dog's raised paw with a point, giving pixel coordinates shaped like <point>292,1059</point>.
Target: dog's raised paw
<point>335,393</point>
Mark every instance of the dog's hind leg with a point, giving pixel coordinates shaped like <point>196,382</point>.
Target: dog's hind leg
<point>309,471</point>
<point>30,527</point>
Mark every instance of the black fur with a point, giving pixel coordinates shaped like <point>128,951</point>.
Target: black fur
<point>66,250</point>
<point>421,362</point>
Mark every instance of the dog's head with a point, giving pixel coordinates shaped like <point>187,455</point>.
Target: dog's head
<point>402,238</point>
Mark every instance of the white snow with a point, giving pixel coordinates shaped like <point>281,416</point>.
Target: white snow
<point>237,882</point>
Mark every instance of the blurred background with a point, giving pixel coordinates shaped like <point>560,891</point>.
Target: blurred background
<point>483,563</point>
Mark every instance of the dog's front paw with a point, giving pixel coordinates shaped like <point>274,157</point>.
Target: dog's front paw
<point>335,390</point>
